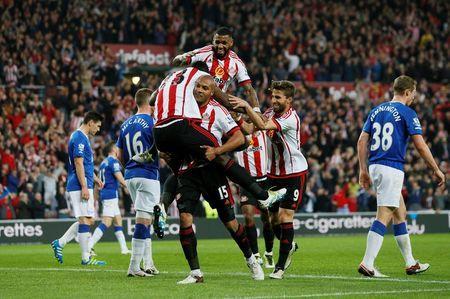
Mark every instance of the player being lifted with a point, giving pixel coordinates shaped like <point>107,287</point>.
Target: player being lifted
<point>210,181</point>
<point>178,132</point>
<point>225,67</point>
<point>110,174</point>
<point>287,167</point>
<point>142,180</point>
<point>386,133</point>
<point>80,187</point>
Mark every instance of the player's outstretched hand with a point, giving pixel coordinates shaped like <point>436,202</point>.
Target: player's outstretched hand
<point>210,153</point>
<point>440,178</point>
<point>238,102</point>
<point>364,179</point>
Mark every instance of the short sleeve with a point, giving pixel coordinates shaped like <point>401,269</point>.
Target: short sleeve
<point>242,76</point>
<point>413,123</point>
<point>79,148</point>
<point>227,124</point>
<point>286,122</point>
<point>367,125</point>
<point>116,167</point>
<point>119,142</point>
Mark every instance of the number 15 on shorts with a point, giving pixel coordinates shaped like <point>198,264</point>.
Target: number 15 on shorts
<point>223,192</point>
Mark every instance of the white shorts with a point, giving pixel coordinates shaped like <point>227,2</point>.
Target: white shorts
<point>145,193</point>
<point>388,183</point>
<point>111,207</point>
<point>81,207</point>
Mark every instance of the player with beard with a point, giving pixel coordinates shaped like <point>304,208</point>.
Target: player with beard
<point>287,167</point>
<point>225,66</point>
<point>211,182</point>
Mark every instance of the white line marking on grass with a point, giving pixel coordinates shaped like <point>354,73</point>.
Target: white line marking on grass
<point>237,274</point>
<point>341,294</point>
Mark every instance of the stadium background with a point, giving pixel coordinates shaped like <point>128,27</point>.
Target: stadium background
<point>59,60</point>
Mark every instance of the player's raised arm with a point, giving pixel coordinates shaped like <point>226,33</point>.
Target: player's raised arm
<point>250,92</point>
<point>257,120</point>
<point>364,178</point>
<point>426,154</point>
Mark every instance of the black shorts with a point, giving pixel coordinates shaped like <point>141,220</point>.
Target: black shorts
<point>246,198</point>
<point>211,182</point>
<point>182,139</point>
<point>295,188</point>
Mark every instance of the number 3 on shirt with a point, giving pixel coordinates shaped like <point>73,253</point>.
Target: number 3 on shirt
<point>386,136</point>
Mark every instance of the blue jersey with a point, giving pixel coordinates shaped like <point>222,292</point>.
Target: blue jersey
<point>136,137</point>
<point>79,146</point>
<point>108,168</point>
<point>390,125</point>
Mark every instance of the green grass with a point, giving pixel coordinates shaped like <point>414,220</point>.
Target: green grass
<point>324,266</point>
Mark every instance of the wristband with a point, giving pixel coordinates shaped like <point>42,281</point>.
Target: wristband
<point>256,109</point>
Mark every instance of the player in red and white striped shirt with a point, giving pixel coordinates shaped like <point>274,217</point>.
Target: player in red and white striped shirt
<point>287,165</point>
<point>223,64</point>
<point>254,160</point>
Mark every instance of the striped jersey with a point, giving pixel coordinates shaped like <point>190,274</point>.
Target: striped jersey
<point>217,120</point>
<point>223,71</point>
<point>175,97</point>
<point>285,158</point>
<point>254,157</point>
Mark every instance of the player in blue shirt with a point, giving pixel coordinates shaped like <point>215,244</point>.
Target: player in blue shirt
<point>110,174</point>
<point>142,179</point>
<point>385,135</point>
<point>80,187</point>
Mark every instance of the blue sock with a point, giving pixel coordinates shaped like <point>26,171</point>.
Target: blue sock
<point>400,229</point>
<point>83,228</point>
<point>140,231</point>
<point>378,227</point>
<point>118,228</point>
<point>102,227</point>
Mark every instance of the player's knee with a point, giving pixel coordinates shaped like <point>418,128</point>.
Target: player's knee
<point>107,221</point>
<point>144,217</point>
<point>186,219</point>
<point>249,220</point>
<point>232,225</point>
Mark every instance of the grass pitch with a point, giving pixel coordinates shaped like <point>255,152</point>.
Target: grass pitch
<point>323,267</point>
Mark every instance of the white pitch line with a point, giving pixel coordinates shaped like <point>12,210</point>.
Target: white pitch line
<point>239,274</point>
<point>341,294</point>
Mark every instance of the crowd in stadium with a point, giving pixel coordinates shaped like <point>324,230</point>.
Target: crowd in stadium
<point>58,45</point>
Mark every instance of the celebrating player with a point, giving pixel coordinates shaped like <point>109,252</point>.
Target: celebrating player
<point>110,174</point>
<point>223,64</point>
<point>80,186</point>
<point>287,165</point>
<point>387,130</point>
<point>142,180</point>
<point>179,134</point>
<point>212,183</point>
<point>254,160</point>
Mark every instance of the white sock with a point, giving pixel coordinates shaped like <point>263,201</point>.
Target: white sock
<point>98,234</point>
<point>373,246</point>
<point>196,272</point>
<point>137,251</point>
<point>148,258</point>
<point>69,234</point>
<point>251,259</point>
<point>121,238</point>
<point>83,238</point>
<point>404,244</point>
